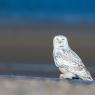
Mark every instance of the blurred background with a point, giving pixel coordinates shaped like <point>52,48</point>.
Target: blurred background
<point>28,27</point>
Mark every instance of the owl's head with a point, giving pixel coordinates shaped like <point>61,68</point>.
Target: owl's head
<point>60,41</point>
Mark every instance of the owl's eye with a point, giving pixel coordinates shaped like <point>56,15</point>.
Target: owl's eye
<point>62,39</point>
<point>57,39</point>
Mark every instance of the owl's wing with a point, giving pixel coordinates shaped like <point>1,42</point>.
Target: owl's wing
<point>68,58</point>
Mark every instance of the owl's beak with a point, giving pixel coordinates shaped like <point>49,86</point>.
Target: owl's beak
<point>60,42</point>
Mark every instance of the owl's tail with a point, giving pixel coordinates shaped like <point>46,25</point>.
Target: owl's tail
<point>85,75</point>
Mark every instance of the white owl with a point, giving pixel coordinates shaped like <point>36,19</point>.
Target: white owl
<point>68,62</point>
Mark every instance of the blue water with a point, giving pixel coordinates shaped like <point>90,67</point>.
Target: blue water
<point>65,6</point>
<point>64,11</point>
<point>28,69</point>
<point>36,67</point>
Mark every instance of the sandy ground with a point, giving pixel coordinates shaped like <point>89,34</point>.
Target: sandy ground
<point>41,86</point>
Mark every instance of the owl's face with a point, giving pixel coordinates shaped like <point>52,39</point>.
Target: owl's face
<point>60,41</point>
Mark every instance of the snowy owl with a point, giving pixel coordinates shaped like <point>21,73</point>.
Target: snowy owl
<point>68,62</point>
